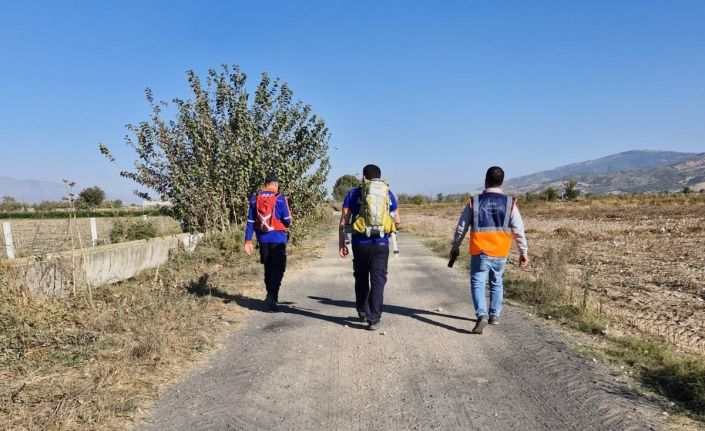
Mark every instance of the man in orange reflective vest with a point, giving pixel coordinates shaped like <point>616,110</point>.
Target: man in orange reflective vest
<point>269,217</point>
<point>494,221</point>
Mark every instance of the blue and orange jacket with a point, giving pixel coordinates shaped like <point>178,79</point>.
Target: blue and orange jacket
<point>281,213</point>
<point>493,220</point>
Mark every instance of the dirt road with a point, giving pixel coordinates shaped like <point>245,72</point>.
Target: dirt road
<point>313,367</point>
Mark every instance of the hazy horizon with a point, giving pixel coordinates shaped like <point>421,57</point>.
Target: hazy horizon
<point>431,93</point>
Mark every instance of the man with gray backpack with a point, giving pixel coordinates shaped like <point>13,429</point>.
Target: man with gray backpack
<point>370,217</point>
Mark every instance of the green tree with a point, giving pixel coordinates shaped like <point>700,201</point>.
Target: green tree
<point>10,204</point>
<point>686,190</point>
<point>90,197</point>
<point>418,199</point>
<point>343,185</point>
<point>571,192</point>
<point>220,146</point>
<point>439,197</point>
<point>550,194</point>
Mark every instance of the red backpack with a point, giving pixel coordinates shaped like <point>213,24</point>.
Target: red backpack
<point>266,220</point>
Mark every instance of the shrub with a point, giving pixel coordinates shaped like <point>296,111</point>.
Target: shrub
<point>571,192</point>
<point>133,230</point>
<point>550,194</point>
<point>343,185</point>
<point>90,197</point>
<point>10,204</point>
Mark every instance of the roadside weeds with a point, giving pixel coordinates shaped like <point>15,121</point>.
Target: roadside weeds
<point>81,362</point>
<point>570,299</point>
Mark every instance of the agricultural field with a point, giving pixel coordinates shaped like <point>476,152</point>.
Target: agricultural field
<point>33,237</point>
<point>639,260</point>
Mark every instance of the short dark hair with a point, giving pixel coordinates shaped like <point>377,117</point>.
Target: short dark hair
<point>494,177</point>
<point>372,172</point>
<point>271,178</point>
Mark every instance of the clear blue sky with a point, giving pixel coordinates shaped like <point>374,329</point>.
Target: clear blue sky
<point>434,92</point>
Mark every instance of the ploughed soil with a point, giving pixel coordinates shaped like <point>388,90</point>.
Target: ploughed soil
<point>641,258</point>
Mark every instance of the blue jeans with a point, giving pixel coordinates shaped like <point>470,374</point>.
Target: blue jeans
<point>482,266</point>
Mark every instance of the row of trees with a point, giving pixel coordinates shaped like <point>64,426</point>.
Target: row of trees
<point>570,193</point>
<point>221,144</point>
<point>88,198</point>
<point>346,182</point>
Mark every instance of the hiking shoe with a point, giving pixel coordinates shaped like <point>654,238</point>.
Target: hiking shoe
<point>271,303</point>
<point>480,325</point>
<point>362,316</point>
<point>373,326</point>
<point>494,320</point>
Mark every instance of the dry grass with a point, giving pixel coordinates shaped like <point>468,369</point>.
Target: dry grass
<point>86,363</point>
<point>643,252</point>
<point>610,267</point>
<point>33,237</point>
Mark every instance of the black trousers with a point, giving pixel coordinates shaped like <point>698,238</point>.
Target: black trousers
<point>273,257</point>
<point>370,268</point>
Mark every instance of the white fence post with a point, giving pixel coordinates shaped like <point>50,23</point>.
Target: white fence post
<point>94,232</point>
<point>9,245</point>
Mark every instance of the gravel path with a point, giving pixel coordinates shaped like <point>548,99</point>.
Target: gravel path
<point>313,367</point>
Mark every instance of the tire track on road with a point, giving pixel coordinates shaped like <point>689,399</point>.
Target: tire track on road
<point>311,366</point>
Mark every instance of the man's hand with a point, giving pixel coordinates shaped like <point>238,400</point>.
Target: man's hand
<point>248,248</point>
<point>343,251</point>
<point>454,253</point>
<point>523,260</point>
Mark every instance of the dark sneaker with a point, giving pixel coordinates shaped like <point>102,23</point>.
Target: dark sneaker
<point>494,320</point>
<point>373,326</point>
<point>362,316</point>
<point>271,303</point>
<point>480,325</point>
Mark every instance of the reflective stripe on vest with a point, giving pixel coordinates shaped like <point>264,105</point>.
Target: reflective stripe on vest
<point>490,232</point>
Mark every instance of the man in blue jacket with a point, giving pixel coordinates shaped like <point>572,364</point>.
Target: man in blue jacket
<point>269,218</point>
<point>370,253</point>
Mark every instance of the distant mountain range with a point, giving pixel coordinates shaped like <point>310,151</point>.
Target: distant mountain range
<point>31,190</point>
<point>627,172</point>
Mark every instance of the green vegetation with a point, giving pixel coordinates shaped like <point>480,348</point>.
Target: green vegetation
<point>10,204</point>
<point>133,230</point>
<point>679,377</point>
<point>80,214</point>
<point>97,361</point>
<point>343,185</point>
<point>571,192</point>
<point>90,197</point>
<point>549,195</point>
<point>221,145</point>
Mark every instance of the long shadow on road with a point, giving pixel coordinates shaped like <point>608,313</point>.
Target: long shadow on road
<point>414,313</point>
<point>202,288</point>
